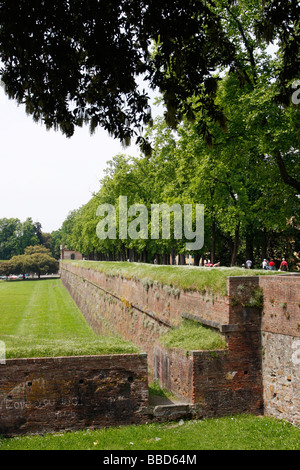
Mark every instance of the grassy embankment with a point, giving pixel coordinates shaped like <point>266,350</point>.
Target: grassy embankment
<point>183,277</point>
<point>38,318</point>
<point>190,335</point>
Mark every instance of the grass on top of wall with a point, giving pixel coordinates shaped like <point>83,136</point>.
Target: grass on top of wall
<point>191,335</point>
<point>40,319</point>
<point>194,278</point>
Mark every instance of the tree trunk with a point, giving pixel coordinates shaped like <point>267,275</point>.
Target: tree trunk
<point>264,242</point>
<point>213,241</point>
<point>235,245</point>
<point>196,259</point>
<point>181,259</point>
<point>287,179</point>
<point>249,243</point>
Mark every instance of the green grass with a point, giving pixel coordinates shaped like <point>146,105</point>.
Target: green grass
<point>193,336</point>
<point>195,278</point>
<point>243,432</point>
<point>38,318</point>
<point>155,390</point>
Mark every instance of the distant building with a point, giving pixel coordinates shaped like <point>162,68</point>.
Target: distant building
<point>70,254</point>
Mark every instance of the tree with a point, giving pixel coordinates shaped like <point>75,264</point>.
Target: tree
<point>279,21</point>
<point>75,62</point>
<point>32,250</point>
<point>37,259</point>
<point>6,268</point>
<point>9,238</point>
<point>28,235</point>
<point>79,62</point>
<point>41,263</point>
<point>55,243</point>
<point>20,264</point>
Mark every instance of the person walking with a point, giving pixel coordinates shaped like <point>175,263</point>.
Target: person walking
<point>272,265</point>
<point>265,264</point>
<point>284,266</point>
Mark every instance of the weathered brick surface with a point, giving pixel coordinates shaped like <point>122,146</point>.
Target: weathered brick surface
<point>121,305</point>
<point>139,310</point>
<point>166,303</point>
<point>259,345</point>
<point>108,311</point>
<point>224,386</point>
<point>174,370</point>
<point>221,382</point>
<point>281,304</point>
<point>70,393</point>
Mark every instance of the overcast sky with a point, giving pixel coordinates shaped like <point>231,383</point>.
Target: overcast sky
<point>44,175</point>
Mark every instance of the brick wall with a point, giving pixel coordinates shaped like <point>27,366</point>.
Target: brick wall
<point>167,303</point>
<point>260,367</point>
<point>70,393</point>
<point>221,382</point>
<point>142,311</point>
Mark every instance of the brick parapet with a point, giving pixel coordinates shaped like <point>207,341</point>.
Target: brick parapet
<point>281,313</point>
<point>69,393</point>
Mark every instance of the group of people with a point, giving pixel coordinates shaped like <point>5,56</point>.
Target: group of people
<point>270,265</point>
<point>265,264</point>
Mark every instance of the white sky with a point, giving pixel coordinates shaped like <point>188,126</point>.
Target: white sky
<point>44,175</point>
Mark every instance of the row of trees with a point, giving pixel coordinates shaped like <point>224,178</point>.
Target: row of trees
<point>81,62</point>
<point>250,213</point>
<point>243,166</point>
<point>36,260</point>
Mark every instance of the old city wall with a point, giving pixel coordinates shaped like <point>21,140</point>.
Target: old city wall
<point>41,395</point>
<point>259,370</point>
<point>141,311</point>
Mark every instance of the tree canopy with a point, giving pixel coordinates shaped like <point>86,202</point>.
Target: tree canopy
<point>81,61</point>
<point>236,148</point>
<point>249,212</point>
<point>36,259</point>
<point>16,236</point>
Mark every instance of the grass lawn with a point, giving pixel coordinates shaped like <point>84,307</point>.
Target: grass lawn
<point>38,318</point>
<point>183,277</point>
<point>243,432</point>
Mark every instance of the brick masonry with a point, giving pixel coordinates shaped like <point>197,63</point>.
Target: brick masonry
<point>220,382</point>
<point>142,311</point>
<point>71,393</point>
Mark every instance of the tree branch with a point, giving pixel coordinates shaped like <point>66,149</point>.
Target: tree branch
<point>287,179</point>
<point>246,42</point>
